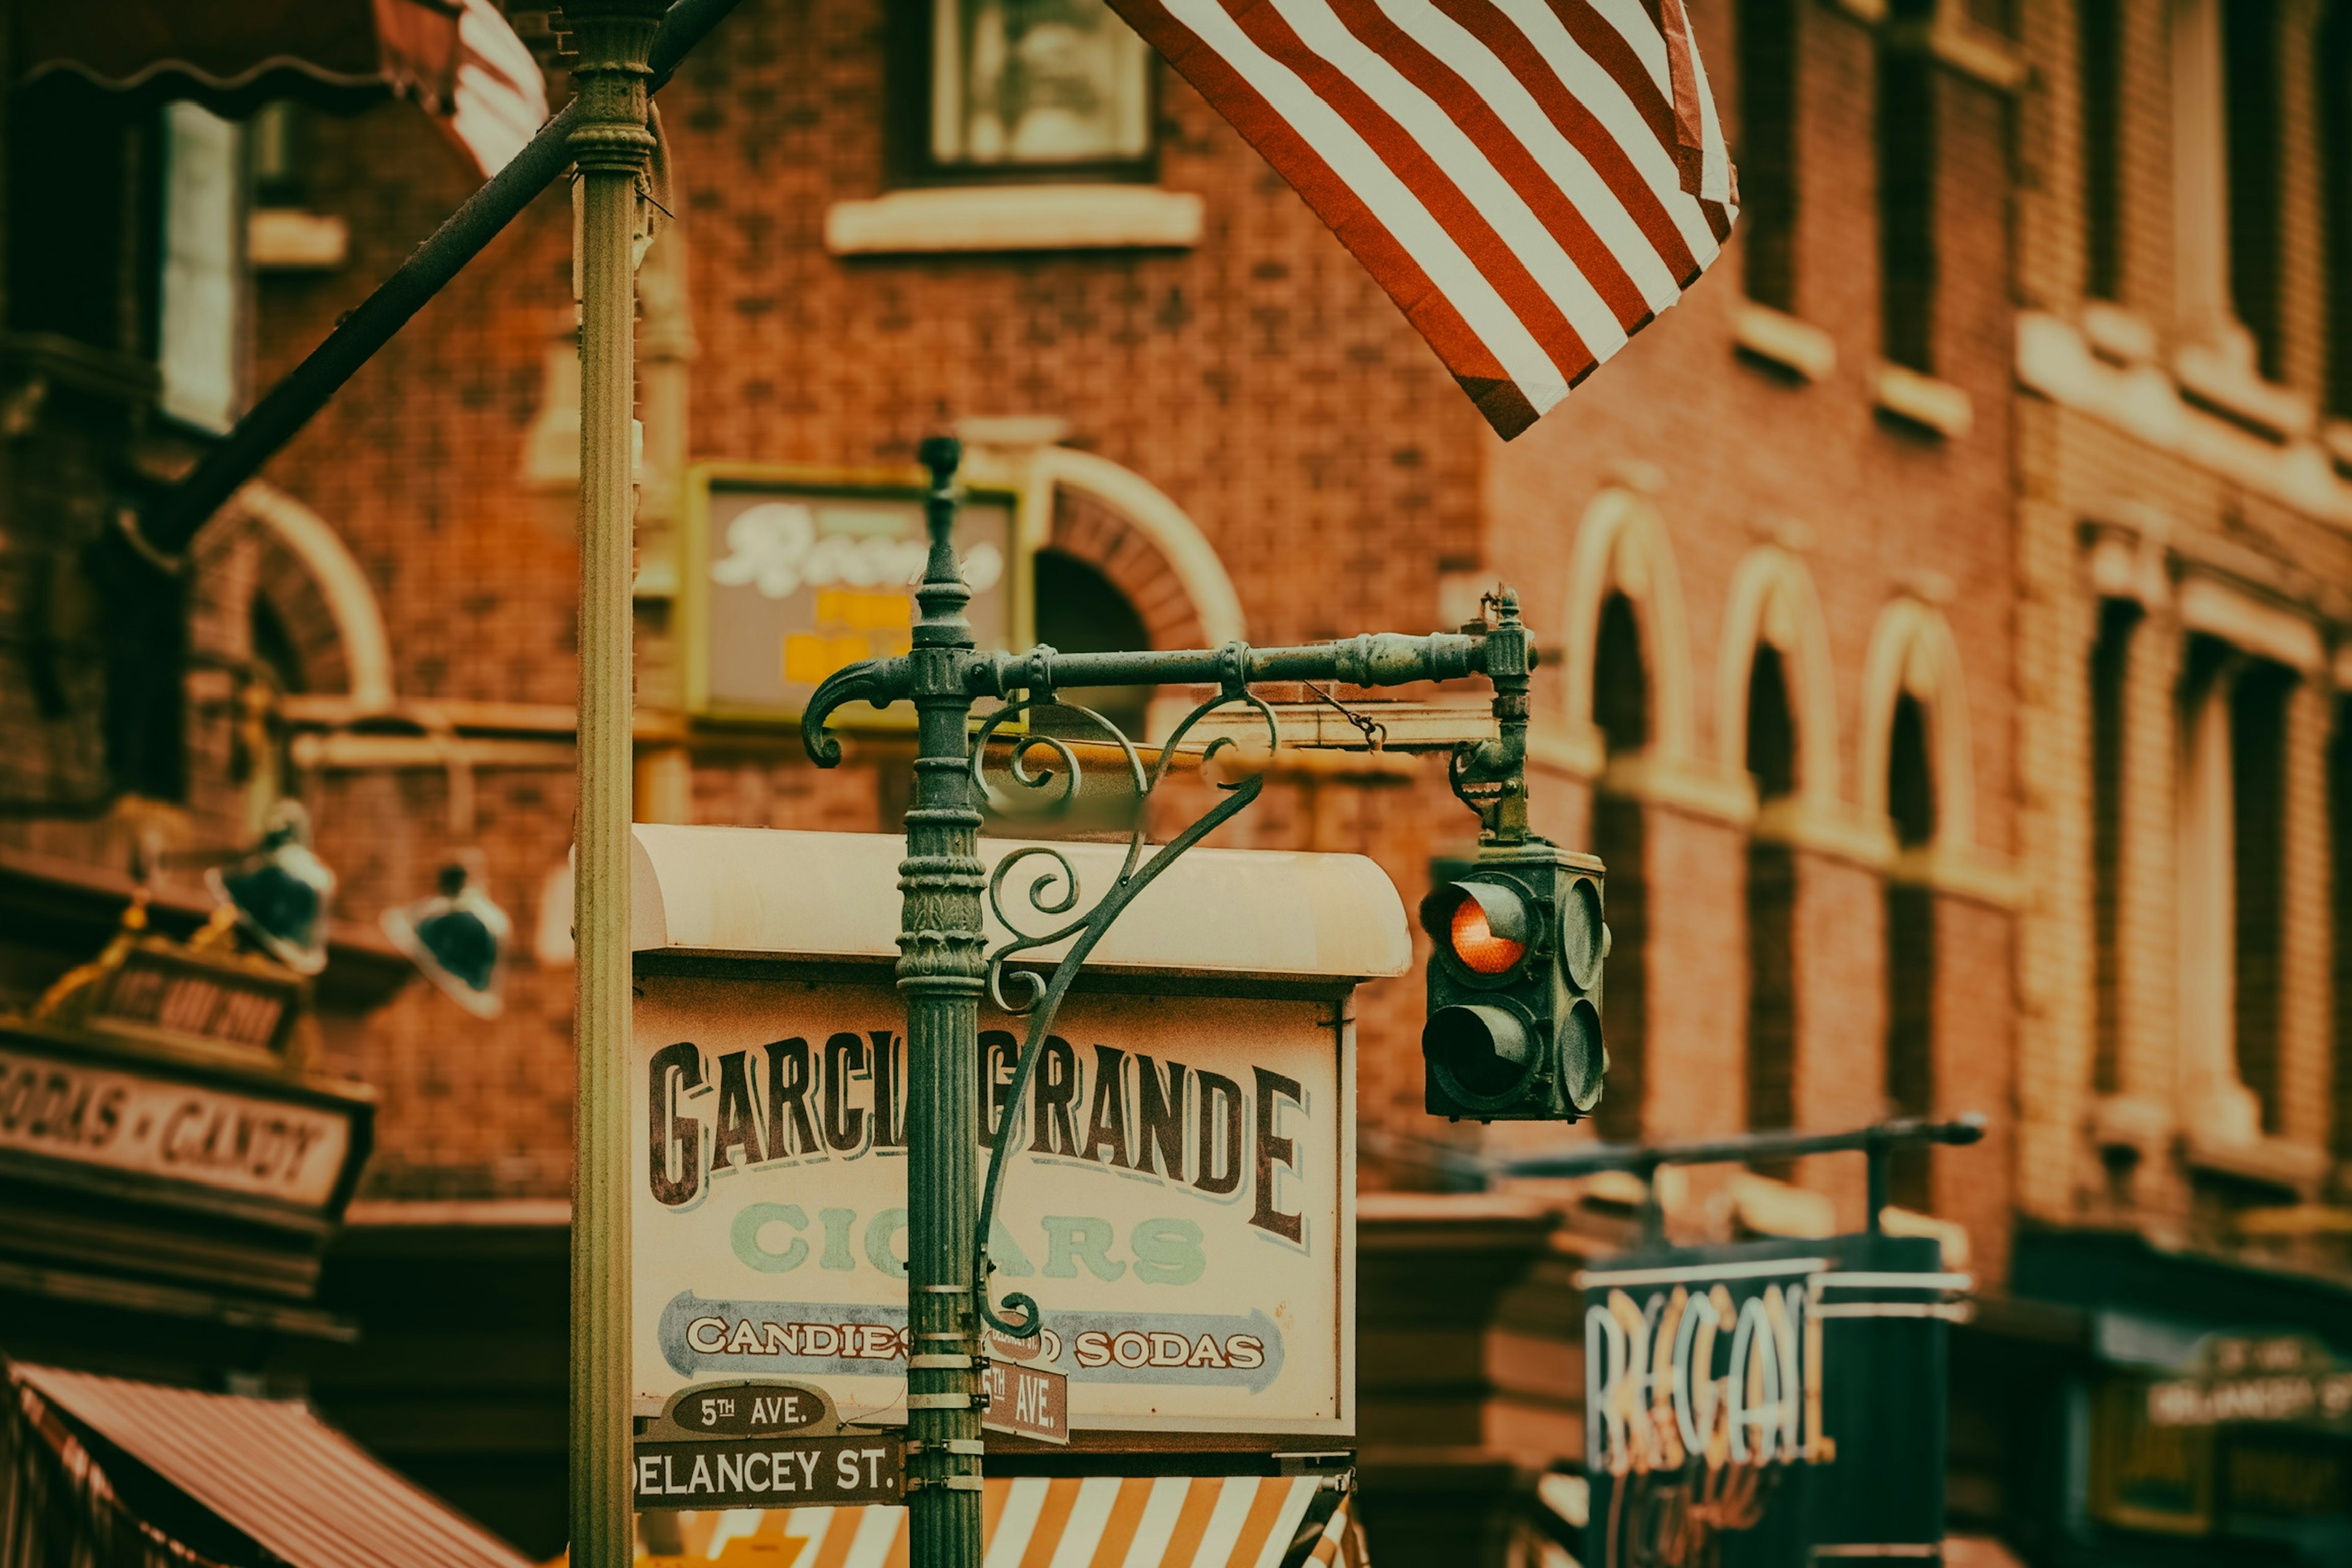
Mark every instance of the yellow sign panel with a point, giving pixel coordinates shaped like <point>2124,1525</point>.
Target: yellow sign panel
<point>788,574</point>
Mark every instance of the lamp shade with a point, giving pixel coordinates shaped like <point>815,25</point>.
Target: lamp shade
<point>459,938</point>
<point>280,892</point>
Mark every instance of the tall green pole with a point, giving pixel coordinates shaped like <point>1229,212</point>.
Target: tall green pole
<point>941,970</point>
<point>612,149</point>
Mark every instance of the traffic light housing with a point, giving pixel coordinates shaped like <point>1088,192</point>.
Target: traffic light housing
<point>1514,1025</point>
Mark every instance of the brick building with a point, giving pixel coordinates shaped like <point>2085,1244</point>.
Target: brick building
<point>1820,686</point>
<point>2181,568</point>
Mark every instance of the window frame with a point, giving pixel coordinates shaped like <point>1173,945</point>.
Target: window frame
<point>910,161</point>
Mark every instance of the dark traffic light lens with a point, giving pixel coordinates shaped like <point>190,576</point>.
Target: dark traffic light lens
<point>1486,1051</point>
<point>1582,941</point>
<point>1475,943</point>
<point>1583,1061</point>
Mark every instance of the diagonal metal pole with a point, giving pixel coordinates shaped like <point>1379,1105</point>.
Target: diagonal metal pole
<point>614,148</point>
<point>173,519</point>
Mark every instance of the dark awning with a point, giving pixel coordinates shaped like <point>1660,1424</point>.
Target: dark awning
<point>268,1468</point>
<point>457,59</point>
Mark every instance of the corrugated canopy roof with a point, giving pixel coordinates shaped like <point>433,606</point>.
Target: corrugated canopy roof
<point>272,1470</point>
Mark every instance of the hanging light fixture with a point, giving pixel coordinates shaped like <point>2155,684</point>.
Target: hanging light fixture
<point>280,892</point>
<point>459,938</point>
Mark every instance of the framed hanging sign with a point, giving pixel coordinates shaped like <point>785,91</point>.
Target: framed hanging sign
<point>789,572</point>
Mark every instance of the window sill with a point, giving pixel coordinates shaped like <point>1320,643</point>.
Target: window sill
<point>2272,1162</point>
<point>288,239</point>
<point>1784,341</point>
<point>1014,217</point>
<point>1977,53</point>
<point>1923,401</point>
<point>2219,378</point>
<point>48,356</point>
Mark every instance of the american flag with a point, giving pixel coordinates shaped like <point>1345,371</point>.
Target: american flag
<point>1532,181</point>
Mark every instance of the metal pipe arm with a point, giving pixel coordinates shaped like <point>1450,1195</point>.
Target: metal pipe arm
<point>173,519</point>
<point>1383,659</point>
<point>1742,1147</point>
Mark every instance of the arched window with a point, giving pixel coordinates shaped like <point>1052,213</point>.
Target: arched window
<point>1910,942</point>
<point>1772,762</point>
<point>1080,610</point>
<point>1620,708</point>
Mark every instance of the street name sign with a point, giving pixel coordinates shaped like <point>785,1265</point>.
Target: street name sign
<point>761,1444</point>
<point>1026,1401</point>
<point>1181,1198</point>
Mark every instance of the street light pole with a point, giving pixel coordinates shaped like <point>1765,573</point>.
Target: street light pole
<point>612,149</point>
<point>945,967</point>
<point>941,968</point>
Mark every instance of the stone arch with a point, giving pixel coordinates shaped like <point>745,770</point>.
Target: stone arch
<point>1912,652</point>
<point>342,584</point>
<point>1137,535</point>
<point>1773,604</point>
<point>1621,546</point>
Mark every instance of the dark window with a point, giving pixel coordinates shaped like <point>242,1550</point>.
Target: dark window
<point>2110,679</point>
<point>2334,57</point>
<point>70,166</point>
<point>1907,207</point>
<point>1772,730</point>
<point>1620,687</point>
<point>1772,908</point>
<point>2098,43</point>
<point>2339,838</point>
<point>1766,33</point>
<point>2250,92</point>
<point>144,644</point>
<point>1080,610</point>
<point>1020,89</point>
<point>2258,711</point>
<point>274,652</point>
<point>1910,949</point>
<point>1621,706</point>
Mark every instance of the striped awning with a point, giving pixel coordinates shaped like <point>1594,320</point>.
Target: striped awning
<point>1028,1521</point>
<point>460,61</point>
<point>268,1470</point>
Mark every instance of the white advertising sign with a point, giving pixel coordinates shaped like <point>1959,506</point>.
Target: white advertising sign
<point>175,1131</point>
<point>1182,1208</point>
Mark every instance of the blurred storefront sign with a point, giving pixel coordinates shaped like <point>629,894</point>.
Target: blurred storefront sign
<point>1773,1403</point>
<point>788,574</point>
<point>162,1115</point>
<point>2251,1442</point>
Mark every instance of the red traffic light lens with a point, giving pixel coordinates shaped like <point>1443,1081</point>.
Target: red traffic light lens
<point>1475,943</point>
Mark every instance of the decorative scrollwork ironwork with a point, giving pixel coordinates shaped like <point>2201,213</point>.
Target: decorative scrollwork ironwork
<point>1055,891</point>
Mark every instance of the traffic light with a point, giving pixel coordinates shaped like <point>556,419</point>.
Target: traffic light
<point>1514,1029</point>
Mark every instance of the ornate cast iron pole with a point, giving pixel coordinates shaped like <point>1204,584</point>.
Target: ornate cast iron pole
<point>943,966</point>
<point>612,147</point>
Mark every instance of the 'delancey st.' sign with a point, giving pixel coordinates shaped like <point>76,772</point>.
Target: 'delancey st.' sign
<point>1181,1206</point>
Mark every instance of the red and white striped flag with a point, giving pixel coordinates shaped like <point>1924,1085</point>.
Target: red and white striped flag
<point>1532,181</point>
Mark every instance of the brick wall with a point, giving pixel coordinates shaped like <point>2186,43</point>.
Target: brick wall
<point>1263,383</point>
